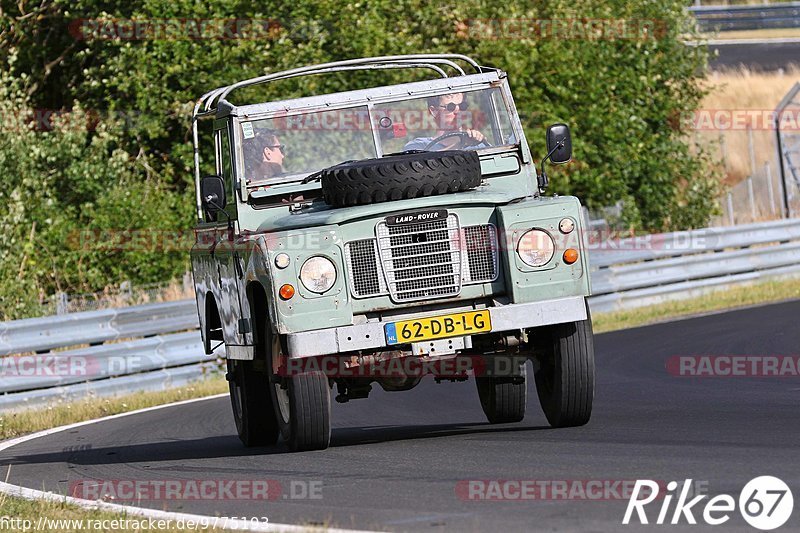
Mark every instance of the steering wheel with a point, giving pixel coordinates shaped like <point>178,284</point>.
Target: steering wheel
<point>465,140</point>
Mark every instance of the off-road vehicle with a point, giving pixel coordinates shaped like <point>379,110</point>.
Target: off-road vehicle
<point>379,235</point>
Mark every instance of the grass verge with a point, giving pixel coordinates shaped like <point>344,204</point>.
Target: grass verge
<point>20,423</point>
<point>758,293</point>
<point>23,515</point>
<point>59,517</point>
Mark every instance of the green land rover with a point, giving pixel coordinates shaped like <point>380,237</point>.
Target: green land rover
<point>382,235</point>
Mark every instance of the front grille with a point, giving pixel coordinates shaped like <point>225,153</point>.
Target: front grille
<point>365,278</point>
<point>422,261</point>
<point>481,262</point>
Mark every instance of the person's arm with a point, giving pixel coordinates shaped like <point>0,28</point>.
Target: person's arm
<point>417,144</point>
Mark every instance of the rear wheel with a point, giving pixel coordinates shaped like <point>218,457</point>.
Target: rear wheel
<point>565,374</point>
<point>503,399</point>
<point>302,403</point>
<point>252,406</point>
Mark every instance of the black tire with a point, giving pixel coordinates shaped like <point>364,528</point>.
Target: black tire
<point>399,177</point>
<point>302,404</point>
<point>252,405</point>
<point>565,372</point>
<point>503,401</point>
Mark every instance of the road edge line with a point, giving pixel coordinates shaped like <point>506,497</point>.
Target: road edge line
<point>93,505</point>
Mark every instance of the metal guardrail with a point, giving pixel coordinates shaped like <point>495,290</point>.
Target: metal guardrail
<point>46,333</point>
<point>626,274</point>
<point>654,268</point>
<point>722,18</point>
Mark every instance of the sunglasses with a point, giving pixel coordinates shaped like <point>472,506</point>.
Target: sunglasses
<point>281,147</point>
<point>452,107</point>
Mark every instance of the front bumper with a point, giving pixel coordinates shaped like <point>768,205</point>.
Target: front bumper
<point>371,335</point>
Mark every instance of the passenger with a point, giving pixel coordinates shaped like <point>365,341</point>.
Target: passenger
<point>264,155</point>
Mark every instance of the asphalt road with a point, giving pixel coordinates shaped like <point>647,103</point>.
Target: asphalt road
<point>397,458</point>
<point>761,56</point>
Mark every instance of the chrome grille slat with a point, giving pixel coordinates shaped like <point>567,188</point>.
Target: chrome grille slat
<point>440,276</point>
<point>413,267</point>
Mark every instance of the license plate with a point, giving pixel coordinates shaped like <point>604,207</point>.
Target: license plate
<point>438,327</point>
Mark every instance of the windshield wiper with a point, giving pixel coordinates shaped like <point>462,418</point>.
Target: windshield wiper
<point>315,176</point>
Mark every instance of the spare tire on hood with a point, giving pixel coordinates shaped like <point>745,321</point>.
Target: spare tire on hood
<point>400,177</point>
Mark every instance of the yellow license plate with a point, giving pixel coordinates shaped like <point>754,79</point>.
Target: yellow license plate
<point>438,327</point>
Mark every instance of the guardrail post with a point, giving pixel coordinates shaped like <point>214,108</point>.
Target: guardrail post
<point>723,150</point>
<point>62,303</point>
<point>731,218</point>
<point>770,187</point>
<point>752,149</point>
<point>751,198</point>
<point>125,290</point>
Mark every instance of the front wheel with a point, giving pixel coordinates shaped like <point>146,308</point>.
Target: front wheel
<point>564,372</point>
<point>252,408</point>
<point>302,403</point>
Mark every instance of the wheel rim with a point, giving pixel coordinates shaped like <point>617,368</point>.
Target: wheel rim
<point>281,393</point>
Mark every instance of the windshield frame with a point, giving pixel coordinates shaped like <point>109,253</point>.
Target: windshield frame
<point>370,98</point>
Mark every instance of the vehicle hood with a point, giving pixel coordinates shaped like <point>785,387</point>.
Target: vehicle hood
<point>321,214</point>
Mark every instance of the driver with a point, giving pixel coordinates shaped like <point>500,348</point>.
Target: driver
<point>264,155</point>
<point>446,110</point>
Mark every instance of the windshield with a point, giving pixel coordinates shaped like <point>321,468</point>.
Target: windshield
<point>289,147</point>
<point>453,121</point>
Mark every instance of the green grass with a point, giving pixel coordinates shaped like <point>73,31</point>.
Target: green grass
<point>759,293</point>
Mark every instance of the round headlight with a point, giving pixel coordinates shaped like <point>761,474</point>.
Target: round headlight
<point>536,248</point>
<point>318,274</point>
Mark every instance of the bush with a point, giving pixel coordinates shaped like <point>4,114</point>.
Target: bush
<point>620,97</point>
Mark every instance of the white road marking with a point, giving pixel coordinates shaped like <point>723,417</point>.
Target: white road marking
<point>32,494</point>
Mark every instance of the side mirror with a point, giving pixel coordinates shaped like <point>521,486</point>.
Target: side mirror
<point>558,134</point>
<point>212,193</point>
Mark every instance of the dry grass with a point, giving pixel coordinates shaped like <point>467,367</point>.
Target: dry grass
<point>113,297</point>
<point>28,513</point>
<point>757,293</point>
<point>28,421</point>
<point>743,89</point>
<point>769,33</point>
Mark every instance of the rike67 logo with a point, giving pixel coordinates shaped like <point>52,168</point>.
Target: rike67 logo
<point>765,503</point>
